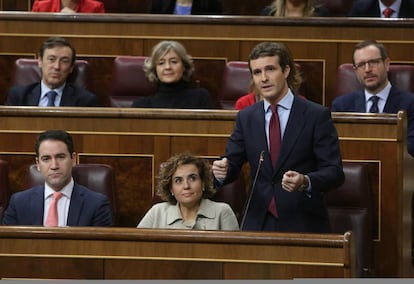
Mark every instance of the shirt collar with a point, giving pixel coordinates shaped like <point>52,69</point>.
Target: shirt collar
<point>395,6</point>
<point>286,102</point>
<point>66,190</point>
<point>383,94</point>
<point>45,89</point>
<point>174,213</point>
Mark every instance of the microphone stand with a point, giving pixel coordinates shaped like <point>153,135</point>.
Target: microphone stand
<point>259,165</point>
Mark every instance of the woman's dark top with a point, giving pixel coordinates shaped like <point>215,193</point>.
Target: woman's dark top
<point>199,7</point>
<point>320,11</point>
<point>176,95</point>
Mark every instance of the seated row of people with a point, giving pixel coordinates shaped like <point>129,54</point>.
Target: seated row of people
<point>184,183</point>
<point>278,8</point>
<point>170,68</point>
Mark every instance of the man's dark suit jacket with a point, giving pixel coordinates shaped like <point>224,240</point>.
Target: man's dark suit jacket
<point>87,208</point>
<point>310,146</point>
<point>397,100</point>
<point>30,95</point>
<point>200,7</point>
<point>370,8</point>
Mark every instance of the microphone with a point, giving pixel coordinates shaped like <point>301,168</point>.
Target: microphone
<point>246,208</point>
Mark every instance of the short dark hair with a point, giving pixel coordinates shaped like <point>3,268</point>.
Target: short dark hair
<point>58,135</point>
<point>265,49</point>
<point>368,42</point>
<point>56,41</point>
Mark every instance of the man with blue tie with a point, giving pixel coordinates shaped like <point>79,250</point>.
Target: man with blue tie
<point>56,60</point>
<point>59,201</point>
<point>377,95</point>
<point>291,146</point>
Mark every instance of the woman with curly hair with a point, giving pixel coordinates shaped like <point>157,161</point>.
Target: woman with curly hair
<point>184,182</point>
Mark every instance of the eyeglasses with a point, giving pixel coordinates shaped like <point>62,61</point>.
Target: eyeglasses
<point>371,63</point>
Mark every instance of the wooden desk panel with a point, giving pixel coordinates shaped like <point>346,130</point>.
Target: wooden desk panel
<point>136,141</point>
<point>163,254</point>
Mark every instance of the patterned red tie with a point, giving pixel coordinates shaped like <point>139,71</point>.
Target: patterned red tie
<point>387,12</point>
<point>275,141</point>
<point>274,135</point>
<point>52,214</point>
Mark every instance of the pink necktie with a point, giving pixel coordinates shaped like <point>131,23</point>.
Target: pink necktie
<point>275,141</point>
<point>387,12</point>
<point>52,214</point>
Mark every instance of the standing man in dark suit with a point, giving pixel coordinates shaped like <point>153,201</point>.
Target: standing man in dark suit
<point>371,64</point>
<point>56,61</point>
<point>288,193</point>
<point>382,8</point>
<point>76,205</point>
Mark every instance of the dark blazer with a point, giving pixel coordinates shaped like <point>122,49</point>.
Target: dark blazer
<point>200,7</point>
<point>397,100</point>
<point>310,146</point>
<point>87,208</point>
<point>30,95</point>
<point>176,95</point>
<point>370,8</point>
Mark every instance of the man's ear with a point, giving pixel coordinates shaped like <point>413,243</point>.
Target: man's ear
<point>37,164</point>
<point>286,71</point>
<point>73,159</point>
<point>387,63</point>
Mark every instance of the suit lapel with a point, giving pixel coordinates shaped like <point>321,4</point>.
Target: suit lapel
<point>37,203</point>
<point>34,96</point>
<point>259,133</point>
<point>67,96</point>
<point>360,105</point>
<point>75,207</point>
<point>294,127</point>
<point>392,104</point>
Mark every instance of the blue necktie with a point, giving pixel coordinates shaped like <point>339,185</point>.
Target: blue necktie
<point>51,95</point>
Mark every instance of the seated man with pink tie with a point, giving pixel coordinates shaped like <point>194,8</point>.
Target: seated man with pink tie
<point>59,201</point>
